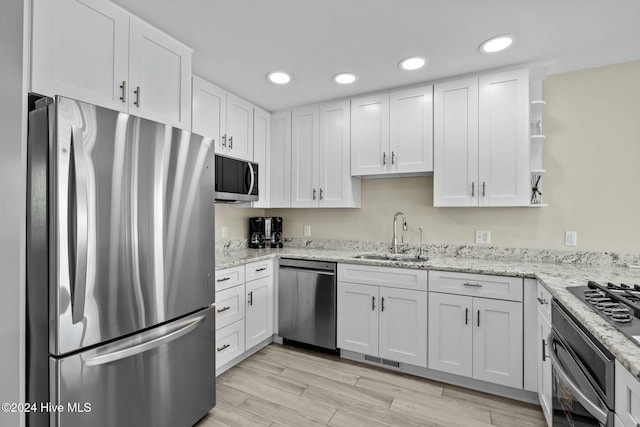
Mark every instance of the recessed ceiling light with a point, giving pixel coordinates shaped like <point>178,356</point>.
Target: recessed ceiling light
<point>496,44</point>
<point>279,77</point>
<point>412,63</point>
<point>344,78</point>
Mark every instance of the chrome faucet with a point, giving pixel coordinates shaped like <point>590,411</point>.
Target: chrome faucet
<point>394,241</point>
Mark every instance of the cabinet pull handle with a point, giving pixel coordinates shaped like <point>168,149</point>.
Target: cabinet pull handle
<point>251,298</point>
<point>544,353</point>
<point>137,92</point>
<point>373,303</point>
<point>478,318</point>
<point>123,95</point>
<point>473,189</point>
<point>542,301</point>
<point>224,140</point>
<point>483,188</point>
<point>223,347</point>
<point>466,316</point>
<point>314,194</point>
<point>382,304</point>
<point>384,158</point>
<point>472,285</point>
<point>321,194</point>
<point>224,279</point>
<point>230,142</point>
<point>261,269</point>
<point>223,309</point>
<point>393,157</point>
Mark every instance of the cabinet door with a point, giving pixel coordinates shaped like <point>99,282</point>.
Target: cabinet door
<point>304,157</point>
<point>504,171</point>
<point>259,313</point>
<point>208,116</point>
<point>544,367</point>
<point>455,143</point>
<point>239,128</point>
<point>450,333</point>
<point>160,76</point>
<point>358,318</point>
<point>497,342</point>
<point>411,130</point>
<point>80,50</point>
<point>370,153</point>
<point>627,397</point>
<point>280,170</point>
<point>403,326</point>
<point>337,189</point>
<point>261,154</point>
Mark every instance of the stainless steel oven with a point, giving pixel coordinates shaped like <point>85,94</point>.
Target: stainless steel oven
<point>583,374</point>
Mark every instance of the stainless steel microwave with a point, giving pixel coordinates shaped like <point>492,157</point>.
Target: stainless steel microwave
<point>236,180</point>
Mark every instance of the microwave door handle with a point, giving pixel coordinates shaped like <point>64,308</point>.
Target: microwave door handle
<point>78,221</point>
<point>591,407</point>
<point>253,179</point>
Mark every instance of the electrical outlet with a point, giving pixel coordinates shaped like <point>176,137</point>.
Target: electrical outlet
<point>224,232</point>
<point>571,238</point>
<point>483,237</point>
<point>307,231</point>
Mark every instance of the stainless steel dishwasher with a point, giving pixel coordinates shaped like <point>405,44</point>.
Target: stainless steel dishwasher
<point>307,302</point>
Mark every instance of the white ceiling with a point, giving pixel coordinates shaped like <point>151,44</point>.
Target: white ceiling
<point>237,42</point>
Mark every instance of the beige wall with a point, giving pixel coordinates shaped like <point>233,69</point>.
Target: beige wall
<point>236,219</point>
<point>592,184</point>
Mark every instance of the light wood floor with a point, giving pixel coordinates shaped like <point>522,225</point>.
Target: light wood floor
<point>293,387</point>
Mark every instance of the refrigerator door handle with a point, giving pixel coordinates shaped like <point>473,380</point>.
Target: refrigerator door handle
<point>78,224</point>
<point>158,338</point>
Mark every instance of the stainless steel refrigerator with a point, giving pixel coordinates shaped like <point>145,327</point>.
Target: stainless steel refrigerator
<point>120,269</point>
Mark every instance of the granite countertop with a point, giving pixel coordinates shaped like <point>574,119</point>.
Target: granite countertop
<point>556,277</point>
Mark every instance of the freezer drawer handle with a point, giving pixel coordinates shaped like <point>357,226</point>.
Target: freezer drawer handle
<point>223,347</point>
<point>78,225</point>
<point>224,279</point>
<point>224,309</point>
<point>145,346</point>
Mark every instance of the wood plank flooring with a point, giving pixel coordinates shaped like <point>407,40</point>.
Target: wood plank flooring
<point>287,386</point>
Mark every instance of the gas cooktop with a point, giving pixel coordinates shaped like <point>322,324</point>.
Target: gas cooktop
<point>619,304</point>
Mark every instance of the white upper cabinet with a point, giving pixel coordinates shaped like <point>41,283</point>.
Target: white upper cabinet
<point>80,49</point>
<point>305,128</point>
<point>411,130</point>
<point>481,143</point>
<point>239,128</point>
<point>208,113</point>
<point>159,75</point>
<point>280,166</point>
<point>224,117</point>
<point>262,154</point>
<point>392,133</point>
<point>125,64</point>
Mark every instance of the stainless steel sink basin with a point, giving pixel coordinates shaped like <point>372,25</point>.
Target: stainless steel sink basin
<point>384,257</point>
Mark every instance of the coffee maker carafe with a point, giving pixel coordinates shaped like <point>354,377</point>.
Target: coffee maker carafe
<point>257,232</point>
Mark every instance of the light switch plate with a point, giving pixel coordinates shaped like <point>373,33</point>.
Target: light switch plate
<point>307,231</point>
<point>483,237</point>
<point>571,238</point>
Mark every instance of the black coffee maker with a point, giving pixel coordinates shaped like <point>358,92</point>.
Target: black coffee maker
<point>276,231</point>
<point>257,232</point>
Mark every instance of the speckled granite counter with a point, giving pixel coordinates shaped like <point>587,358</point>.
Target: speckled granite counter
<point>556,277</point>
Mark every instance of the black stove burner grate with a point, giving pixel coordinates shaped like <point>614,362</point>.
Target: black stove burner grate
<point>620,293</point>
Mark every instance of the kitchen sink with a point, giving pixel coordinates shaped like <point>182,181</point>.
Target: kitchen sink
<point>391,257</point>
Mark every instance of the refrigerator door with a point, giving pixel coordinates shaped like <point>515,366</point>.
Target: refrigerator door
<point>131,224</point>
<point>161,377</point>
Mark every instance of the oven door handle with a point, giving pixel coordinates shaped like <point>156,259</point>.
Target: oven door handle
<point>593,408</point>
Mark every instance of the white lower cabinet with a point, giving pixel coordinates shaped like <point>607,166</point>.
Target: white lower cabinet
<point>229,343</point>
<point>382,321</point>
<point>259,314</point>
<point>473,336</point>
<point>627,395</point>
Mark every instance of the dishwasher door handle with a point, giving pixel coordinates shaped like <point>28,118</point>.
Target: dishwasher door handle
<point>306,270</point>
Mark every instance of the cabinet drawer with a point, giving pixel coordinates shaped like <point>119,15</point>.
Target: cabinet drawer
<point>404,278</point>
<point>229,306</point>
<point>229,277</point>
<point>229,343</point>
<point>543,298</point>
<point>258,269</point>
<point>477,285</point>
